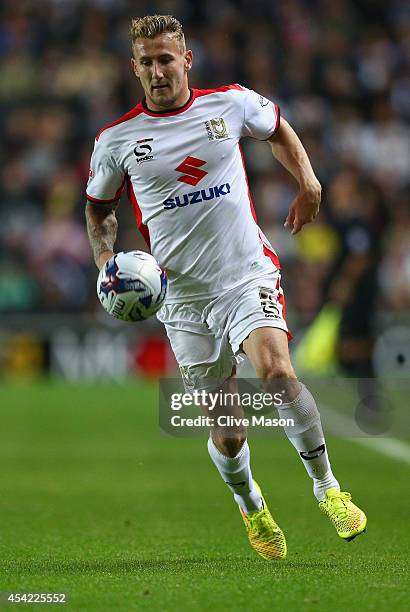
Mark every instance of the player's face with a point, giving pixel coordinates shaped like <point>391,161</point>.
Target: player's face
<point>162,67</point>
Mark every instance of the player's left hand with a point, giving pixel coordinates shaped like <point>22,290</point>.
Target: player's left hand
<point>305,207</point>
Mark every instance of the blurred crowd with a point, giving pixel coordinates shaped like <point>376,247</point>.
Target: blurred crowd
<point>339,71</point>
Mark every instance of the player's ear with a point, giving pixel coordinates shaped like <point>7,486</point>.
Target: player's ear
<point>188,60</point>
<point>134,66</point>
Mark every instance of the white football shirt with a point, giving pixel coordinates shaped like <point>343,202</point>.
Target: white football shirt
<point>187,183</point>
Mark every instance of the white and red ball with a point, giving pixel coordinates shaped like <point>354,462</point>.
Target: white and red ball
<point>132,286</point>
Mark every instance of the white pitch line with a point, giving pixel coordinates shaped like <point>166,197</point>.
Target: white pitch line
<point>391,447</point>
<point>387,446</point>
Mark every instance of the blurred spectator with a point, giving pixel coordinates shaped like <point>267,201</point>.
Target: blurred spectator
<point>395,269</point>
<point>358,219</point>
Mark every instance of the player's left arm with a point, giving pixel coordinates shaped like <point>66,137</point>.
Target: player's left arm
<point>289,151</point>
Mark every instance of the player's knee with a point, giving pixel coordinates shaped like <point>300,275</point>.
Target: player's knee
<point>229,443</point>
<point>279,377</point>
<point>271,371</point>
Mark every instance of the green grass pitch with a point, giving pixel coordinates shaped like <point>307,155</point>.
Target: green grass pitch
<point>97,503</point>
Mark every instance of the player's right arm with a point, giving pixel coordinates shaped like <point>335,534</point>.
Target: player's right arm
<point>262,121</point>
<point>104,189</point>
<point>102,228</point>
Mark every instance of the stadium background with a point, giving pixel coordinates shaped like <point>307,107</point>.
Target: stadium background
<point>72,452</point>
<point>339,71</point>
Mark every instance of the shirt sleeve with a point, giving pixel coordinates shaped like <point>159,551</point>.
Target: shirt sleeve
<point>106,179</point>
<point>261,116</point>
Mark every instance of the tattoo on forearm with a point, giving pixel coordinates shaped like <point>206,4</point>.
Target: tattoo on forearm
<point>102,230</point>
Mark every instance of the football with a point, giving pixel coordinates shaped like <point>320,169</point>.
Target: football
<point>132,286</point>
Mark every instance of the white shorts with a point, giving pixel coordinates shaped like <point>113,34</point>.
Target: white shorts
<point>206,335</point>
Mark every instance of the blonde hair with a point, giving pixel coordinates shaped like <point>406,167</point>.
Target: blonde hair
<point>151,26</point>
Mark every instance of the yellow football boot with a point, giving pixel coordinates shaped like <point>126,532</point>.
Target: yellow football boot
<point>263,533</point>
<point>347,518</point>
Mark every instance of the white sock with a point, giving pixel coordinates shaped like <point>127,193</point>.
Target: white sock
<point>307,437</point>
<point>236,472</point>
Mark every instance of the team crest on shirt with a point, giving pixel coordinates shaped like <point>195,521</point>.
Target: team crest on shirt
<point>216,129</point>
<point>143,150</point>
